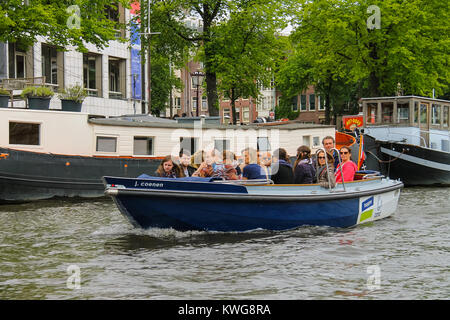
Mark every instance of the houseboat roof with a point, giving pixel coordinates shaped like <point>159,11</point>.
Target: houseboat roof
<point>152,122</point>
<point>405,97</point>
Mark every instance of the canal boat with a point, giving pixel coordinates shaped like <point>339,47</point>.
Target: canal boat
<point>54,153</point>
<point>407,138</point>
<point>206,204</point>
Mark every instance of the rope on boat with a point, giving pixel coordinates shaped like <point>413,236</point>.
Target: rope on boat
<point>386,161</point>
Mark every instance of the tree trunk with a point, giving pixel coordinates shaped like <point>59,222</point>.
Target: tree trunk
<point>374,80</point>
<point>233,106</point>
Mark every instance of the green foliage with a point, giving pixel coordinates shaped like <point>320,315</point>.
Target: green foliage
<point>163,80</point>
<point>24,22</point>
<point>41,92</point>
<point>75,93</point>
<point>4,92</point>
<point>284,110</point>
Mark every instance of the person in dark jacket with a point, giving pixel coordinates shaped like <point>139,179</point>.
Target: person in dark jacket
<point>304,170</point>
<point>185,163</point>
<point>281,167</point>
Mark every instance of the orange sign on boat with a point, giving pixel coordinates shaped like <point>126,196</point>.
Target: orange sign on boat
<point>352,122</point>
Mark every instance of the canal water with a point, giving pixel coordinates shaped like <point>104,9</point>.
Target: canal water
<point>79,249</point>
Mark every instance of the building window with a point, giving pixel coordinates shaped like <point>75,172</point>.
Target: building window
<point>19,57</point>
<point>294,103</point>
<point>52,67</point>
<point>303,102</point>
<point>143,146</point>
<point>312,102</point>
<point>177,103</point>
<point>92,79</point>
<point>263,144</point>
<point>321,102</point>
<point>187,143</point>
<point>194,103</point>
<point>117,78</point>
<point>222,145</point>
<point>204,104</point>
<point>246,115</point>
<point>106,144</point>
<point>24,133</point>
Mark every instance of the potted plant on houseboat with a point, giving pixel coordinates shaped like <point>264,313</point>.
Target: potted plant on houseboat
<point>72,98</point>
<point>38,97</point>
<point>4,98</point>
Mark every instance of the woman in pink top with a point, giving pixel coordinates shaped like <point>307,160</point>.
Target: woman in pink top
<point>348,166</point>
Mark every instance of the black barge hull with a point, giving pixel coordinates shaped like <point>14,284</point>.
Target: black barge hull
<point>413,165</point>
<point>27,176</point>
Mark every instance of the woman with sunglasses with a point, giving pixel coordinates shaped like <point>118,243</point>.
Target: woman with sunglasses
<point>325,171</point>
<point>349,168</point>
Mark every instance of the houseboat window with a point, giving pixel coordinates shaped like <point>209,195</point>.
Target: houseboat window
<point>143,146</point>
<point>303,102</point>
<point>24,133</point>
<point>307,140</point>
<point>187,143</point>
<point>423,114</point>
<point>312,102</point>
<point>436,114</point>
<point>316,141</point>
<point>222,145</point>
<point>106,144</point>
<point>445,116</point>
<point>263,144</point>
<point>371,113</point>
<point>416,112</point>
<point>387,110</point>
<point>403,113</point>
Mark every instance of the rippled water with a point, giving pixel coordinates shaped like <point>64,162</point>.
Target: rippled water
<point>408,253</point>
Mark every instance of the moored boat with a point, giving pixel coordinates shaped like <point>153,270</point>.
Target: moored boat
<point>205,204</point>
<point>408,138</point>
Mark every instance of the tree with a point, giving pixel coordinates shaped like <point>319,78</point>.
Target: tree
<point>61,22</point>
<point>336,41</point>
<point>246,49</point>
<point>173,16</point>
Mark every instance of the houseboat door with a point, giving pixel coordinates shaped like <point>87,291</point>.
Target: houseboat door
<point>424,124</point>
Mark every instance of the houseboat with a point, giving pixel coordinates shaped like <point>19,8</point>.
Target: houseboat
<point>54,153</point>
<point>407,138</point>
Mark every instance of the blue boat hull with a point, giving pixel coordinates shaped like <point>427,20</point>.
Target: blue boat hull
<point>224,215</point>
<point>150,202</point>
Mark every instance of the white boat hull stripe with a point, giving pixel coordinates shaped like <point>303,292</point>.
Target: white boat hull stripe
<point>417,160</point>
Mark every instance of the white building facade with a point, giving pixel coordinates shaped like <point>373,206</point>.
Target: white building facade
<point>113,77</point>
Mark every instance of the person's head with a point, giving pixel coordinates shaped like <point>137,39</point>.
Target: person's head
<point>185,158</point>
<point>166,164</point>
<point>345,154</point>
<point>303,152</point>
<point>328,143</point>
<point>280,154</point>
<point>265,158</point>
<point>250,155</point>
<point>322,158</point>
<point>212,156</point>
<point>228,157</point>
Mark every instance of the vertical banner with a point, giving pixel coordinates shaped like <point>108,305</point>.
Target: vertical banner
<point>3,65</point>
<point>136,70</point>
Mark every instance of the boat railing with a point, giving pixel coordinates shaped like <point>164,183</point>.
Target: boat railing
<point>245,182</point>
<point>326,163</point>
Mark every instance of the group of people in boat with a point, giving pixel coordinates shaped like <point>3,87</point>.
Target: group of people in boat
<point>323,168</point>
